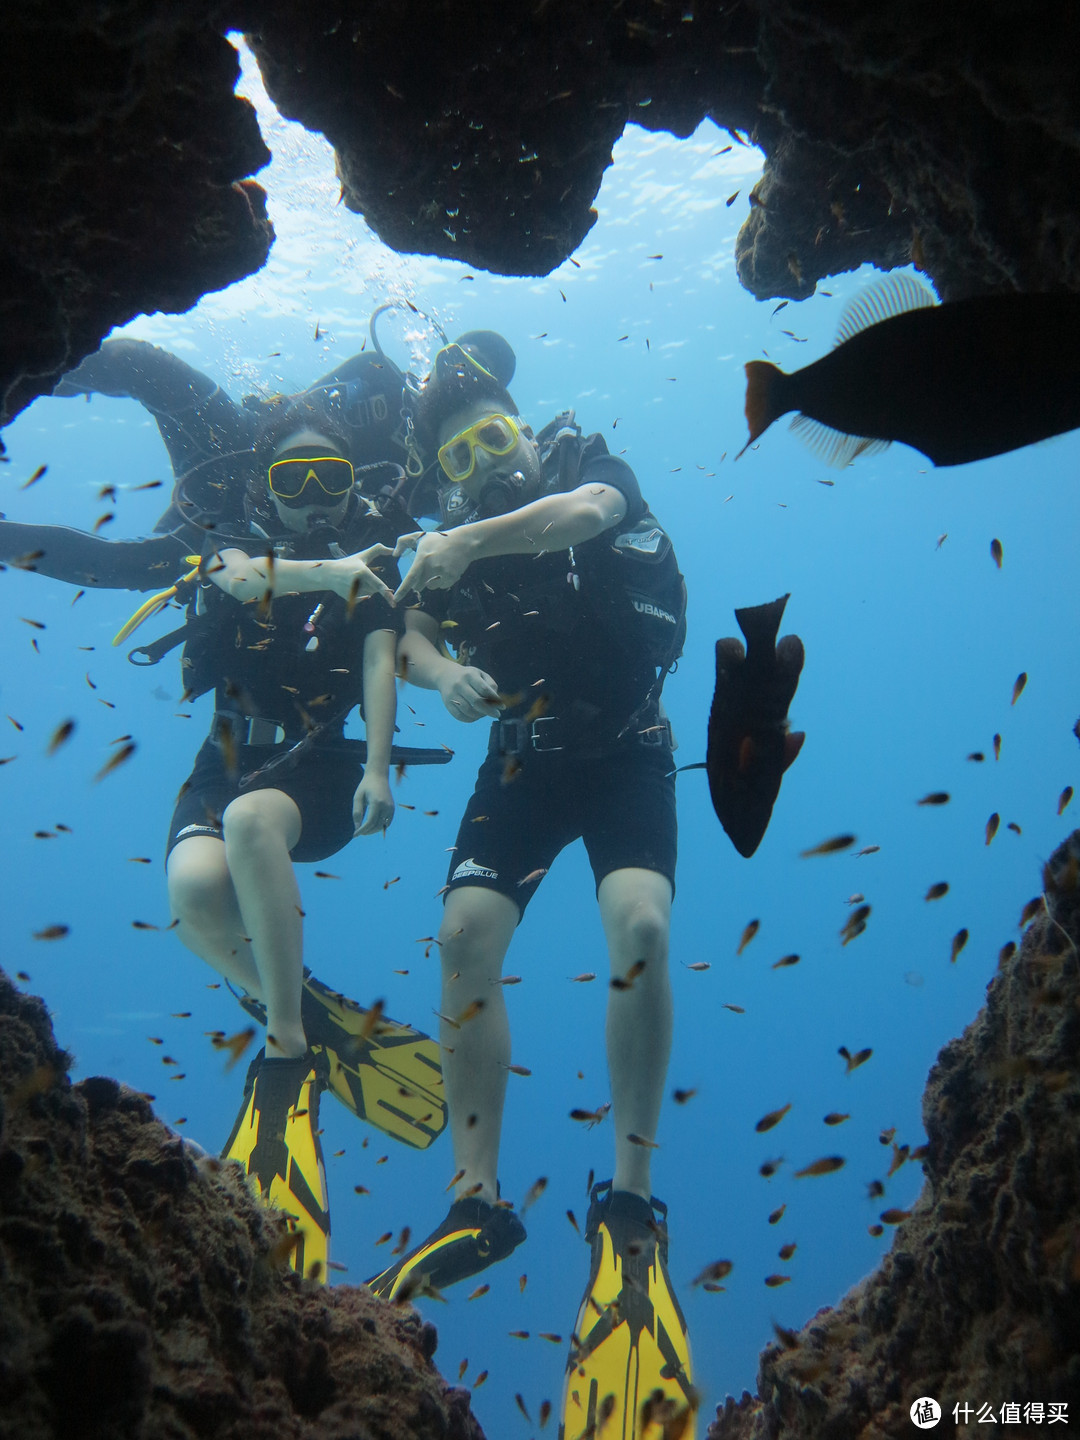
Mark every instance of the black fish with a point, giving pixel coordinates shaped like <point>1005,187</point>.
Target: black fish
<point>960,381</point>
<point>750,746</point>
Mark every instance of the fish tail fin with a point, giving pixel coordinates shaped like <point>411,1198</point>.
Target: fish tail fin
<point>763,404</point>
<point>761,623</point>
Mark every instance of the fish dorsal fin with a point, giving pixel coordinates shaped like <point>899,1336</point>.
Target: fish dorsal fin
<point>834,447</point>
<point>880,301</point>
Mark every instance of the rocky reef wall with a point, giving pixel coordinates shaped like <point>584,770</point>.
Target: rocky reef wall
<point>481,131</point>
<point>144,1292</point>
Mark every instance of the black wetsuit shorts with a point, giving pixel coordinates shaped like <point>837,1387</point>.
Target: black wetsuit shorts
<point>621,804</point>
<point>322,784</point>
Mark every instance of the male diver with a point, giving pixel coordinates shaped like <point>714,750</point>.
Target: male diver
<point>566,610</point>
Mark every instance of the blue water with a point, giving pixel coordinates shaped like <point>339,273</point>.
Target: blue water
<point>912,651</point>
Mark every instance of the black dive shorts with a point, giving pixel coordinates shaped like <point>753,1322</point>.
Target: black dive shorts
<point>621,805</point>
<point>322,783</point>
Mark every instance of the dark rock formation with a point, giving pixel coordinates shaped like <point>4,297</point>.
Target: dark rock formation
<point>121,186</point>
<point>979,1298</point>
<point>481,131</point>
<point>139,1294</point>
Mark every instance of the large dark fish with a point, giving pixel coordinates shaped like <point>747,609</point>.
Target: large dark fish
<point>750,746</point>
<point>960,381</point>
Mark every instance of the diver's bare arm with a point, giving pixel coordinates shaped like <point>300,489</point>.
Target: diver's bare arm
<point>467,692</point>
<point>250,577</point>
<point>553,523</point>
<point>380,698</point>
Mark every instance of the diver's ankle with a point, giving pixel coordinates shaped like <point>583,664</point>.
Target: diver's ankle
<point>285,1042</point>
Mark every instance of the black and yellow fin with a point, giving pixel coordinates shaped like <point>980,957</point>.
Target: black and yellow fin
<point>628,1374</point>
<point>276,1140</point>
<point>387,1073</point>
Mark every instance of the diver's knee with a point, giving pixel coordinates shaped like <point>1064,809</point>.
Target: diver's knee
<point>643,929</point>
<point>248,825</point>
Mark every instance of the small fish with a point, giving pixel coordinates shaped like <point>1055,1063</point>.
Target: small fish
<point>1031,909</point>
<point>749,742</point>
<point>234,1044</point>
<point>149,485</point>
<point>52,932</point>
<point>775,1216</point>
<point>643,1142</point>
<point>773,1118</point>
<point>996,552</point>
<point>544,1413</point>
<point>1018,687</point>
<point>836,1117</point>
<point>937,890</point>
<point>705,964</point>
<point>731,200</point>
<point>748,934</point>
<point>992,826</point>
<point>1064,798</point>
<point>875,1230</point>
<point>1012,825</point>
<point>855,899</point>
<point>518,1070</point>
<point>867,850</point>
<point>935,797</point>
<point>60,736</point>
<point>769,1168</point>
<point>854,1061</point>
<point>977,756</point>
<point>103,520</point>
<point>38,474</point>
<point>736,1009</point>
<point>521,1406</point>
<point>997,747</point>
<point>591,1117</point>
<point>585,976</point>
<point>960,381</point>
<point>508,980</point>
<point>318,333</point>
<point>480,1290</point>
<point>533,878</point>
<point>894,1217</point>
<point>479,1379</point>
<point>620,982</point>
<point>717,1270</point>
<point>518,1334</point>
<point>774,1280</point>
<point>959,940</point>
<point>827,1165</point>
<point>941,540</point>
<point>326,875</point>
<point>784,961</point>
<point>829,847</point>
<point>116,760</point>
<point>682,1096</point>
<point>535,1190</point>
<point>856,924</point>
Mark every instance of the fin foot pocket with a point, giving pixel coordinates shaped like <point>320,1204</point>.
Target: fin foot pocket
<point>474,1235</point>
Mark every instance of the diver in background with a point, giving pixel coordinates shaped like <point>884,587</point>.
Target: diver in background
<point>214,447</point>
<point>561,595</point>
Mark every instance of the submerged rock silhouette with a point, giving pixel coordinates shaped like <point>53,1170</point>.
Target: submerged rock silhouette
<point>138,1295</point>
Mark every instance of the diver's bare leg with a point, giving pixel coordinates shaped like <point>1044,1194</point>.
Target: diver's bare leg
<point>260,829</point>
<point>475,935</point>
<point>202,899</point>
<point>635,906</point>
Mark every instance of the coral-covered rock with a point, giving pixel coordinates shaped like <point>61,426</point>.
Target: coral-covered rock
<point>979,1296</point>
<point>122,186</point>
<point>140,1295</point>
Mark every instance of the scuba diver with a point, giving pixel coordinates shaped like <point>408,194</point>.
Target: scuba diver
<point>561,594</point>
<point>276,782</point>
<point>215,448</point>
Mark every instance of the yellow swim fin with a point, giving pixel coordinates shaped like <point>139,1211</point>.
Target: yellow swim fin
<point>386,1073</point>
<point>276,1140</point>
<point>628,1372</point>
